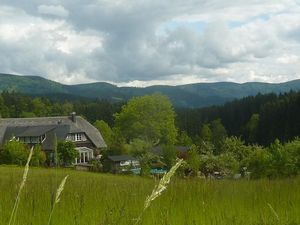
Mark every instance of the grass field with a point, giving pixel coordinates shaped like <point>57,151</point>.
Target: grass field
<point>103,199</point>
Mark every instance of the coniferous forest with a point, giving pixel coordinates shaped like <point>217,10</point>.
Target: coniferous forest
<point>256,119</point>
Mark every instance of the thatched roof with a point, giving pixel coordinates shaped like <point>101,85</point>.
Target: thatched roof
<point>59,126</point>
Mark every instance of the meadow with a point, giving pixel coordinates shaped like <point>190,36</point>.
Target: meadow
<point>105,199</point>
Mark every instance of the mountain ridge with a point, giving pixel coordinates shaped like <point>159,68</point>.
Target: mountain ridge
<point>186,95</point>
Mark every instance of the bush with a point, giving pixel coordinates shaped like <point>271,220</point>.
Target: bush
<point>14,152</point>
<point>97,165</point>
<point>38,157</point>
<point>193,160</point>
<point>66,152</point>
<point>283,161</point>
<point>258,162</point>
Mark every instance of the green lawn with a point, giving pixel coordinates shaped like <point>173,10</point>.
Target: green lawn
<point>103,199</point>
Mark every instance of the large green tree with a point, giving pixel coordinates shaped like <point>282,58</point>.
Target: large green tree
<point>149,117</point>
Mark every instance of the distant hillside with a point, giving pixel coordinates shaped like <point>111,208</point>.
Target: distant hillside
<point>190,95</point>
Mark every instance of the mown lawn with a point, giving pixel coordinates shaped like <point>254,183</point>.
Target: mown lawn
<point>103,199</point>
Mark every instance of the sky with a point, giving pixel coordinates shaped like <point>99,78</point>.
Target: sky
<point>149,42</point>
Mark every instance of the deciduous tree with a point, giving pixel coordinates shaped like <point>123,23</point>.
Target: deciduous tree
<point>149,117</point>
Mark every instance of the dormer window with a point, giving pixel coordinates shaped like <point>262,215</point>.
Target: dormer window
<point>32,139</point>
<point>78,137</point>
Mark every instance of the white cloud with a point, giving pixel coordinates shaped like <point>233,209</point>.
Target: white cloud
<point>288,59</point>
<point>53,10</point>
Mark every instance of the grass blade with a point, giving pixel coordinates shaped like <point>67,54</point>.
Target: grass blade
<point>17,201</point>
<point>160,187</point>
<point>57,196</point>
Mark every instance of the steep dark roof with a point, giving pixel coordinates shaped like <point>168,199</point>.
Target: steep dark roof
<point>59,125</point>
<point>119,158</point>
<point>28,131</point>
<point>59,132</point>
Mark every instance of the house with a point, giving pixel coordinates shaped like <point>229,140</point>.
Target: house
<point>47,130</point>
<point>123,164</point>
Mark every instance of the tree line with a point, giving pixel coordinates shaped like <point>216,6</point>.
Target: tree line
<point>256,135</point>
<point>15,105</point>
<point>256,119</point>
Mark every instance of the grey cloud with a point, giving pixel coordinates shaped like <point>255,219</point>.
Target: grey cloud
<point>118,40</point>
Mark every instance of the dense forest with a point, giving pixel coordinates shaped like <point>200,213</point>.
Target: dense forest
<point>256,119</point>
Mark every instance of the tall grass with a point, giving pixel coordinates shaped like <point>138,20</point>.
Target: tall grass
<point>159,188</point>
<point>17,201</point>
<point>103,199</point>
<point>57,197</point>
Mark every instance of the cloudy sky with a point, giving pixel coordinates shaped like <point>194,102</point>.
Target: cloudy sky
<point>145,42</point>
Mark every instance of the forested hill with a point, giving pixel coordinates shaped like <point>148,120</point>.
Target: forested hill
<point>190,96</point>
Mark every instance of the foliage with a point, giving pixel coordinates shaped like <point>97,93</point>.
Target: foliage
<point>283,164</point>
<point>227,164</point>
<point>206,133</point>
<point>257,119</point>
<point>237,147</point>
<point>118,145</point>
<point>251,128</point>
<point>184,140</point>
<point>38,157</point>
<point>16,105</point>
<point>66,152</point>
<point>219,134</point>
<point>14,152</point>
<point>208,164</point>
<point>169,155</point>
<point>193,160</point>
<point>206,147</point>
<point>141,150</point>
<point>4,111</point>
<point>258,162</point>
<point>293,150</point>
<point>105,131</point>
<point>224,164</point>
<point>146,161</point>
<point>149,117</point>
<point>138,147</point>
<point>226,140</point>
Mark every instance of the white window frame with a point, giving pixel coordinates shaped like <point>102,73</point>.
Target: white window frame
<point>78,137</point>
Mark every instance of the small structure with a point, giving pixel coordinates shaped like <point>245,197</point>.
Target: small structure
<point>123,164</point>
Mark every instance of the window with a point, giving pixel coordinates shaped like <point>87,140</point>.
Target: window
<point>78,137</point>
<point>34,140</point>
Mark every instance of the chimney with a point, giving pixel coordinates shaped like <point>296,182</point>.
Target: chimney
<point>73,117</point>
